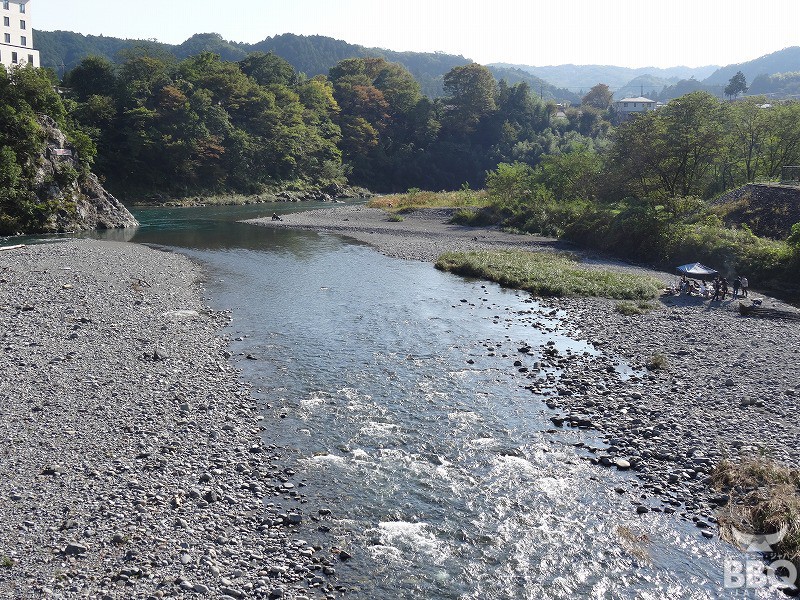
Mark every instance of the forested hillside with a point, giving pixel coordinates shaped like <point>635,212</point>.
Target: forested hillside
<point>206,125</point>
<point>771,74</point>
<point>774,74</point>
<point>311,55</point>
<point>45,159</point>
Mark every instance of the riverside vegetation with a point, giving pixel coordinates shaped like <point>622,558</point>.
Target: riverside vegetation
<point>764,497</point>
<point>662,231</point>
<point>153,126</point>
<point>548,274</point>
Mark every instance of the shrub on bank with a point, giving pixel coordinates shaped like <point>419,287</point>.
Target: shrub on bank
<point>655,234</point>
<point>630,309</point>
<point>764,498</point>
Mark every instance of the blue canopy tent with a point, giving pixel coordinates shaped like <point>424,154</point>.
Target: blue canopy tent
<point>697,271</point>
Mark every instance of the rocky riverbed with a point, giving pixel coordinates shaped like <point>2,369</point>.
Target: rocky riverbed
<point>720,385</point>
<point>673,392</point>
<point>134,462</point>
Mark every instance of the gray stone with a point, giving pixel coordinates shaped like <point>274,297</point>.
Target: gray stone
<point>75,549</point>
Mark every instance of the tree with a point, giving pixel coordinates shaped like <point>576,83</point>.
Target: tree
<point>268,69</point>
<point>572,174</point>
<point>94,76</point>
<point>782,145</point>
<point>598,97</point>
<point>693,140</point>
<point>470,95</point>
<point>747,131</point>
<point>669,153</point>
<point>737,85</point>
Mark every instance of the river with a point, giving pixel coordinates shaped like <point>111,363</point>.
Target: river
<point>392,388</point>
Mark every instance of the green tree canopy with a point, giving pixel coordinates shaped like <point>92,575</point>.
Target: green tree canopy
<point>268,69</point>
<point>94,76</point>
<point>737,85</point>
<point>470,95</point>
<point>598,97</point>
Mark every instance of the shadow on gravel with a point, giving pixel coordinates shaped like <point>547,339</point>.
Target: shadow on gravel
<point>684,301</point>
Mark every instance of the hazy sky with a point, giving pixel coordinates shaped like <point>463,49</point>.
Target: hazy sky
<point>633,33</point>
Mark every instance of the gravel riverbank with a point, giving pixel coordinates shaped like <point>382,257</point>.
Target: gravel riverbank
<point>422,235</point>
<point>729,386</point>
<point>133,464</point>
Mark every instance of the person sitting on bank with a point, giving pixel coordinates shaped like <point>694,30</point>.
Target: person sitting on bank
<point>275,217</point>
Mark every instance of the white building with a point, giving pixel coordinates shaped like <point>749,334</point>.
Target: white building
<point>16,34</point>
<point>630,106</point>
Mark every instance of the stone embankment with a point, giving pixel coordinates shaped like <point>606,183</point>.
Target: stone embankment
<point>134,463</point>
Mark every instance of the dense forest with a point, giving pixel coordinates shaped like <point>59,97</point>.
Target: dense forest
<point>311,55</point>
<point>205,125</point>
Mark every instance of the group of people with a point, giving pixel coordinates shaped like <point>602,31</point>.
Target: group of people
<point>717,290</point>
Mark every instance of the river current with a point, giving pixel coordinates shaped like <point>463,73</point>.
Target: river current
<point>392,387</point>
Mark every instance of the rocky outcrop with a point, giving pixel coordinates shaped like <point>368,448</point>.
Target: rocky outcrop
<point>82,202</point>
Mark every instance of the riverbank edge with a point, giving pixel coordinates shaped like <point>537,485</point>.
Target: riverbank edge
<point>334,194</point>
<point>692,390</point>
<point>135,460</point>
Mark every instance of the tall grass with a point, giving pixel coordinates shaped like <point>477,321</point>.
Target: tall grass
<point>548,274</point>
<point>416,199</point>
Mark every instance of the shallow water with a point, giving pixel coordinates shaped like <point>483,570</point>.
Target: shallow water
<point>393,387</point>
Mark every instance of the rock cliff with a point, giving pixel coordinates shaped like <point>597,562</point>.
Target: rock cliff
<point>81,202</point>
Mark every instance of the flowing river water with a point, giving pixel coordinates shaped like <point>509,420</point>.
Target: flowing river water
<point>392,388</point>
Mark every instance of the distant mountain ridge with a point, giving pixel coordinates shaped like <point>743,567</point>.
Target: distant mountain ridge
<point>316,54</point>
<point>775,73</point>
<point>579,78</point>
<point>782,61</point>
<point>312,55</point>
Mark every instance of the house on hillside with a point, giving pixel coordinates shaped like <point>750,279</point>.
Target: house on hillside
<point>16,34</point>
<point>628,107</point>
